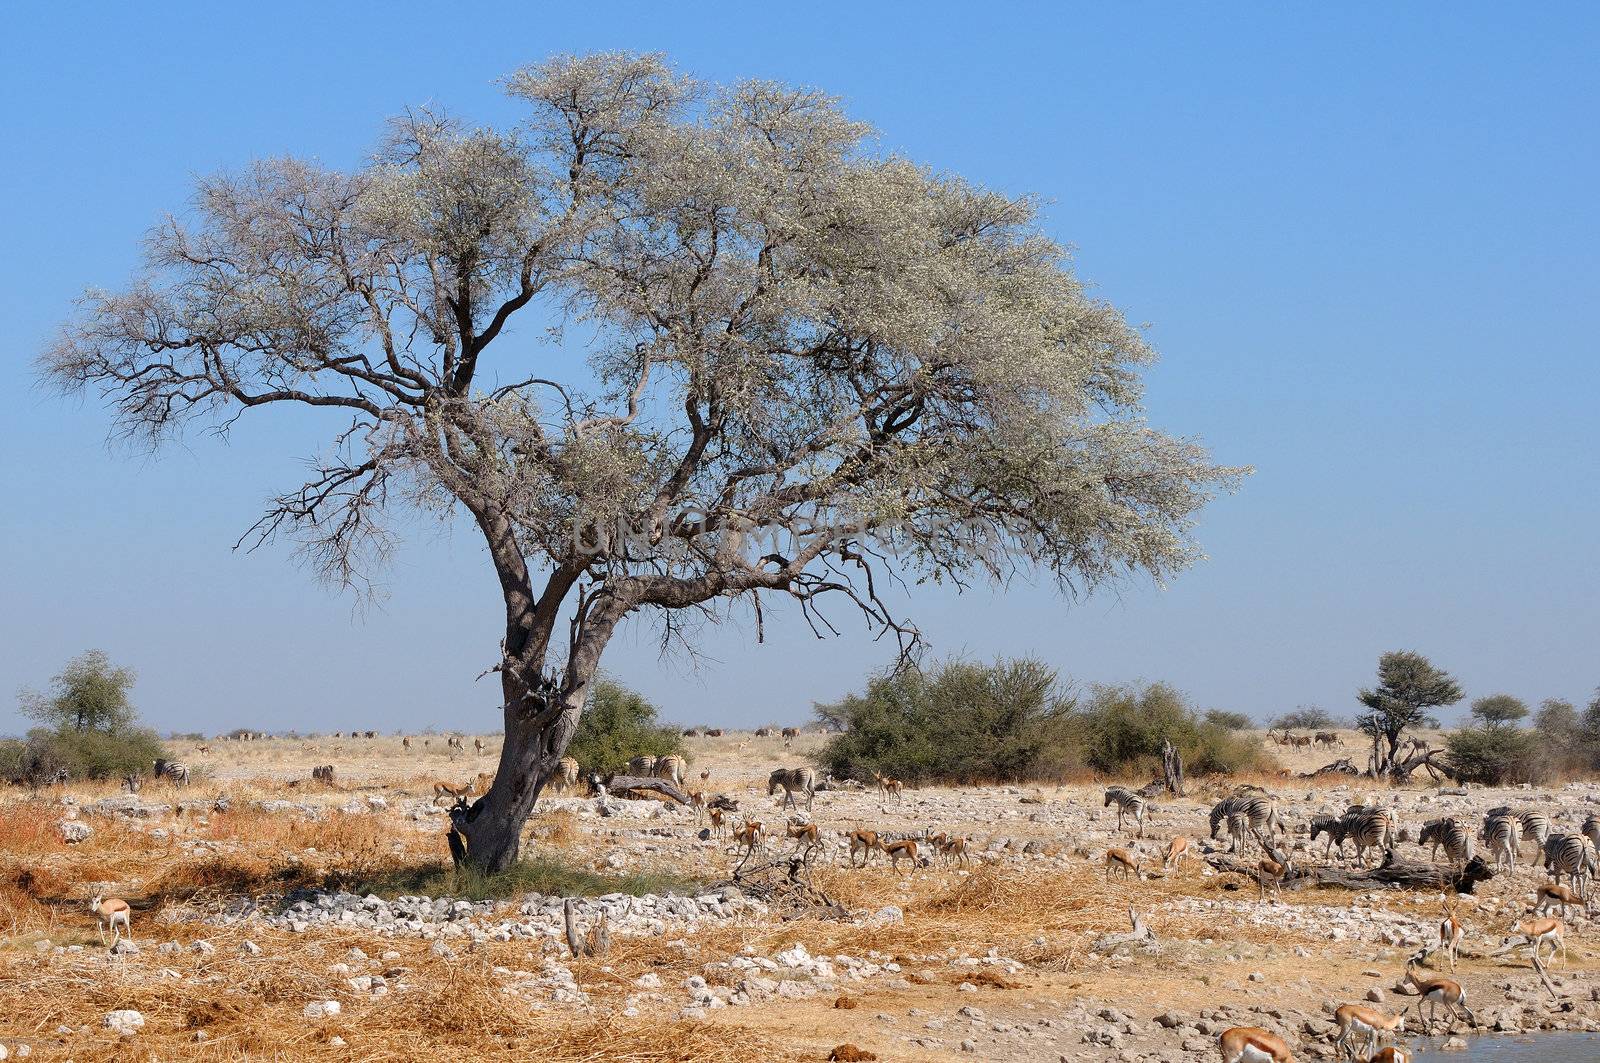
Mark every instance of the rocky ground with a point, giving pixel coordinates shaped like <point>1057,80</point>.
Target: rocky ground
<point>245,946</point>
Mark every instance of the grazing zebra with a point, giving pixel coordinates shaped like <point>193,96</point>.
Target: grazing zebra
<point>1368,828</point>
<point>789,735</point>
<point>644,765</point>
<point>1500,835</point>
<point>792,779</point>
<point>1536,829</point>
<point>1238,829</point>
<point>1336,827</point>
<point>1455,838</point>
<point>1128,804</point>
<point>171,769</point>
<point>1261,812</point>
<point>1570,855</point>
<point>671,768</point>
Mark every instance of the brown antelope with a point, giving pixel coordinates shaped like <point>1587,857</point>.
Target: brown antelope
<point>1438,991</point>
<point>405,743</point>
<point>445,789</point>
<point>477,746</point>
<point>1270,870</point>
<point>750,837</point>
<point>705,773</point>
<point>904,848</point>
<point>1539,933</point>
<point>865,842</point>
<point>484,781</point>
<point>1551,895</point>
<point>1120,861</point>
<point>112,912</point>
<point>889,788</point>
<point>1369,1025</point>
<point>955,850</point>
<point>1252,1044</point>
<point>715,815</point>
<point>1177,852</point>
<point>1392,1054</point>
<point>1450,932</point>
<point>804,834</point>
<point>697,801</point>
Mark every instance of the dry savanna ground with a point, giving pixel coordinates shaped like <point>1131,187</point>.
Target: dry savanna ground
<point>1011,957</point>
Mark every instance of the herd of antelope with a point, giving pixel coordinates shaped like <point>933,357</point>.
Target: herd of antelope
<point>1251,814</point>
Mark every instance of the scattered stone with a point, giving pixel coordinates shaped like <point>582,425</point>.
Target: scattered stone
<point>126,1022</point>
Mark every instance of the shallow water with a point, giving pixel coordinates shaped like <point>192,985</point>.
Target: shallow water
<point>1550,1048</point>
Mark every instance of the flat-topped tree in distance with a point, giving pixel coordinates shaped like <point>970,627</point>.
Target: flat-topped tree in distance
<point>804,359</point>
<point>1409,686</point>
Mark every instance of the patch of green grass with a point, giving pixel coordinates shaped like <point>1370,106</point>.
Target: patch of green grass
<point>539,874</point>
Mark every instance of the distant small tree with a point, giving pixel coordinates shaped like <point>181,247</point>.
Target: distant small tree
<point>89,694</point>
<point>1228,720</point>
<point>1497,754</point>
<point>1556,720</point>
<point>1305,718</point>
<point>1408,687</point>
<point>91,727</point>
<point>1499,710</point>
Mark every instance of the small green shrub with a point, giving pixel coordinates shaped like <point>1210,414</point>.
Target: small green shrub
<point>618,725</point>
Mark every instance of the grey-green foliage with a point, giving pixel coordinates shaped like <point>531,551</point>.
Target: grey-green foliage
<point>1123,728</point>
<point>620,724</point>
<point>93,730</point>
<point>1306,718</point>
<point>1497,754</point>
<point>89,694</point>
<point>1227,719</point>
<point>1499,710</point>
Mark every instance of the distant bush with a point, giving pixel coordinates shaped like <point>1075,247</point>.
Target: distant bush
<point>1013,721</point>
<point>1495,755</point>
<point>1232,721</point>
<point>1122,729</point>
<point>960,722</point>
<point>618,725</point>
<point>89,754</point>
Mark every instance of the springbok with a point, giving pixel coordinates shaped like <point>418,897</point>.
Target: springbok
<point>751,836</point>
<point>1435,992</point>
<point>477,746</point>
<point>1252,1044</point>
<point>904,848</point>
<point>1370,1025</point>
<point>1538,933</point>
<point>113,912</point>
<point>805,835</point>
<point>445,789</point>
<point>891,789</point>
<point>715,815</point>
<point>1177,852</point>
<point>1392,1054</point>
<point>955,850</point>
<point>1450,931</point>
<point>1551,895</point>
<point>865,842</point>
<point>405,743</point>
<point>1120,861</point>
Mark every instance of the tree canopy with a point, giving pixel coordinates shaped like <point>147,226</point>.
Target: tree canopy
<point>1499,710</point>
<point>1408,687</point>
<point>89,694</point>
<point>812,369</point>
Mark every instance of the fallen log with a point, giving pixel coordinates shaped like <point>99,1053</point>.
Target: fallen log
<point>1404,874</point>
<point>621,784</point>
<point>1342,766</point>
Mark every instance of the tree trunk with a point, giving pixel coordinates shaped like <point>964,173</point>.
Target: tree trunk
<point>538,726</point>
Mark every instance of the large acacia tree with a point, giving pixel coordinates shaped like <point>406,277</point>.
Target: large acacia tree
<point>811,368</point>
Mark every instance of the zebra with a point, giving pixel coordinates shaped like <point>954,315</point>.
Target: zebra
<point>1500,835</point>
<point>644,764</point>
<point>1570,855</point>
<point>1455,838</point>
<point>1591,829</point>
<point>1238,829</point>
<point>1368,828</point>
<point>178,773</point>
<point>792,779</point>
<point>1262,812</point>
<point>671,768</point>
<point>1128,804</point>
<point>1536,828</point>
<point>1337,829</point>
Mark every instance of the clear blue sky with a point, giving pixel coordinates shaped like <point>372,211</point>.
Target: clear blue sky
<point>1365,239</point>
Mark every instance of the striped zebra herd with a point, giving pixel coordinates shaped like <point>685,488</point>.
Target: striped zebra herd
<point>1565,854</point>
